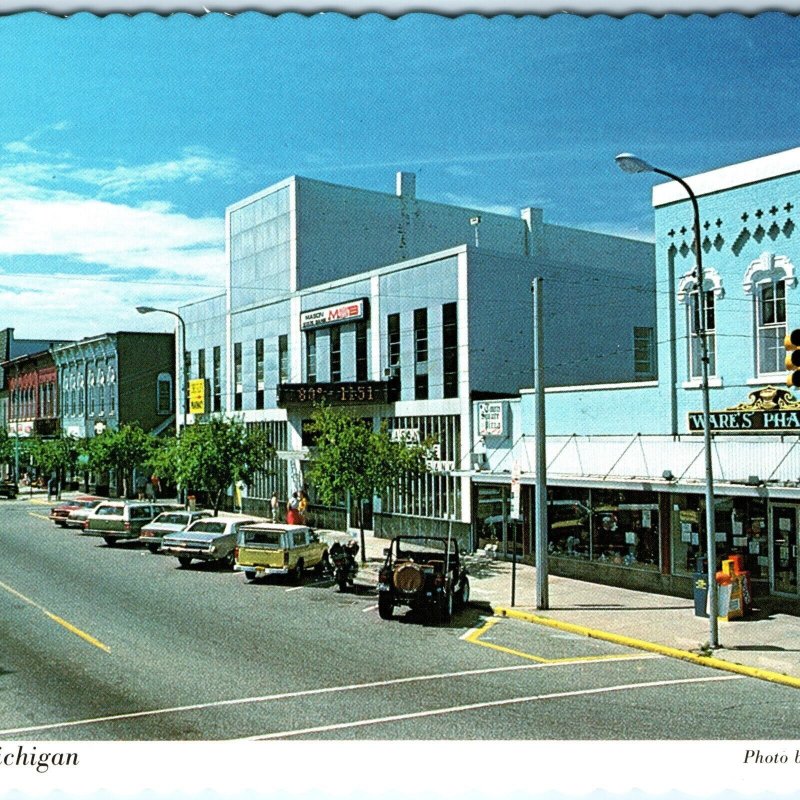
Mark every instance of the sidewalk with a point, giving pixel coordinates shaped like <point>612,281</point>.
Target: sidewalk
<point>765,640</point>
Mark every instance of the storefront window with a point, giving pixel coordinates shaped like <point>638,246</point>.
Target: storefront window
<point>625,528</point>
<point>569,521</point>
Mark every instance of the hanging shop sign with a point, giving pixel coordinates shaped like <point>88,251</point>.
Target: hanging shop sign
<point>350,311</point>
<point>768,410</point>
<point>490,419</point>
<point>343,393</point>
<point>197,396</point>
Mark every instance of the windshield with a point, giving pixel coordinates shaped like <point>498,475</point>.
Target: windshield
<point>172,519</point>
<point>109,511</point>
<point>209,526</point>
<point>423,544</point>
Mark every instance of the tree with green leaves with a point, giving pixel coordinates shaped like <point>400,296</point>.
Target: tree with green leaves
<point>121,450</point>
<point>217,454</point>
<point>353,460</point>
<point>55,456</point>
<point>6,447</point>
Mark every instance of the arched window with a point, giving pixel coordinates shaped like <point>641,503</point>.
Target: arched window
<point>164,393</point>
<point>689,295</point>
<point>767,280</point>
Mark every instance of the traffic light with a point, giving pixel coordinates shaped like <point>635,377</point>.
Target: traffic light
<point>792,344</point>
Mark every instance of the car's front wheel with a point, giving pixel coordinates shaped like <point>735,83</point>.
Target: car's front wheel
<point>385,605</point>
<point>153,548</point>
<point>229,560</point>
<point>299,570</point>
<point>184,561</point>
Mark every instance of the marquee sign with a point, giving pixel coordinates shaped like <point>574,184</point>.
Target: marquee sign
<point>767,410</point>
<point>333,315</point>
<point>343,393</point>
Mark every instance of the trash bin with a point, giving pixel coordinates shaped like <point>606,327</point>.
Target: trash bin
<point>724,593</point>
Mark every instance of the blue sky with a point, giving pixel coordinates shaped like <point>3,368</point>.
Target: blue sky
<point>122,140</point>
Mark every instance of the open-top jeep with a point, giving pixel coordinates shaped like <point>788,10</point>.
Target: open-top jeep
<point>424,573</point>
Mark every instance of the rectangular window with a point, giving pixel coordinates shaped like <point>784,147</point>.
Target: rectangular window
<point>771,322</point>
<point>450,350</point>
<point>644,352</point>
<point>259,373</point>
<point>393,334</point>
<point>283,359</point>
<point>695,346</point>
<point>311,356</point>
<point>335,351</point>
<point>164,394</point>
<point>237,376</point>
<point>362,368</point>
<point>201,363</point>
<point>217,378</point>
<point>421,354</point>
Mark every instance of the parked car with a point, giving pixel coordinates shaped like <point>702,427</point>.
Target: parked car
<point>77,517</point>
<point>60,513</point>
<point>209,539</point>
<point>424,573</point>
<point>9,489</point>
<point>272,549</point>
<point>168,522</point>
<point>123,519</point>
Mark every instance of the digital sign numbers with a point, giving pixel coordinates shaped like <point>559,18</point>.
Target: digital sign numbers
<point>338,393</point>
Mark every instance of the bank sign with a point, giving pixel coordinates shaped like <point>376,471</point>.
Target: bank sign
<point>768,410</point>
<point>333,315</point>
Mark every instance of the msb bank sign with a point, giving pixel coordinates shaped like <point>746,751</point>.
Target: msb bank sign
<point>768,410</point>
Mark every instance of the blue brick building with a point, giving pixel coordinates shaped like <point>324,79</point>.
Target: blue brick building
<point>625,462</point>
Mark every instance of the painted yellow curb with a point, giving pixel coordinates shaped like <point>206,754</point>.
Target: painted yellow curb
<point>640,644</point>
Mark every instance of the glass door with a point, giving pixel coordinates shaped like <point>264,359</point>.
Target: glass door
<point>783,542</point>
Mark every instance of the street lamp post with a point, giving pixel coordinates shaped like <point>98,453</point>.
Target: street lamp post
<point>632,164</point>
<point>181,366</point>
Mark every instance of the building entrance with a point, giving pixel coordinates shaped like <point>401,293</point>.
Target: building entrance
<point>784,549</point>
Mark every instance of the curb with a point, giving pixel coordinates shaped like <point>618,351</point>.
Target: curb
<point>652,647</point>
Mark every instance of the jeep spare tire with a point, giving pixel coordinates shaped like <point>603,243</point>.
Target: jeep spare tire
<point>408,578</point>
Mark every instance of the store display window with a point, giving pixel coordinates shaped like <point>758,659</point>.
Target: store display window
<point>625,528</point>
<point>569,520</point>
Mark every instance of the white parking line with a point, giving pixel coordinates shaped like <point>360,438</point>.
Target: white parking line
<point>369,608</point>
<point>290,695</point>
<point>295,588</point>
<point>488,704</point>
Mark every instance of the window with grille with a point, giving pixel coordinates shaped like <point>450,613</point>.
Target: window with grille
<point>421,354</point>
<point>771,327</point>
<point>450,350</point>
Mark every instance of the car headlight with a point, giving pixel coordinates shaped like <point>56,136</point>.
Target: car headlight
<point>212,548</point>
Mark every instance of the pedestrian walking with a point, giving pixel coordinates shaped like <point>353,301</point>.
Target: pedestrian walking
<point>274,505</point>
<point>52,487</point>
<point>292,510</point>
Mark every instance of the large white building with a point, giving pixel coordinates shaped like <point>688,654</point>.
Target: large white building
<point>404,310</point>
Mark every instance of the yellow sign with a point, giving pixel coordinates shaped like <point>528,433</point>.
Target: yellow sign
<point>197,396</point>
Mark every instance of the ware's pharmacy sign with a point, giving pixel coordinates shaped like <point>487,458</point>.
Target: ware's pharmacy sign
<point>768,410</point>
<point>334,315</point>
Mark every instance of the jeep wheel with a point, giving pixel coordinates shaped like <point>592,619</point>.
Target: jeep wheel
<point>250,574</point>
<point>446,608</point>
<point>385,605</point>
<point>462,598</point>
<point>184,561</point>
<point>153,548</point>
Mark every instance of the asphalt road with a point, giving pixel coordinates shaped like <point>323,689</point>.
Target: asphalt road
<point>114,643</point>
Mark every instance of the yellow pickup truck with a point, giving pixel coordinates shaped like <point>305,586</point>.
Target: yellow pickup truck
<point>271,549</point>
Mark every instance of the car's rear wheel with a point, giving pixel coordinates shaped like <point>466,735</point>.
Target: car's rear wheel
<point>446,608</point>
<point>153,548</point>
<point>109,540</point>
<point>385,605</point>
<point>462,597</point>
<point>298,571</point>
<point>250,574</point>
<point>184,561</point>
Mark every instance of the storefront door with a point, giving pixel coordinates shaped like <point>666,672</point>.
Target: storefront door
<point>783,544</point>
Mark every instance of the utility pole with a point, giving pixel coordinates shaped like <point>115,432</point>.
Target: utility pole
<point>542,593</point>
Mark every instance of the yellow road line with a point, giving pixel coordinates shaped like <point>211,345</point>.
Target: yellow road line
<point>40,516</point>
<point>474,637</point>
<point>69,626</point>
<point>652,647</point>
